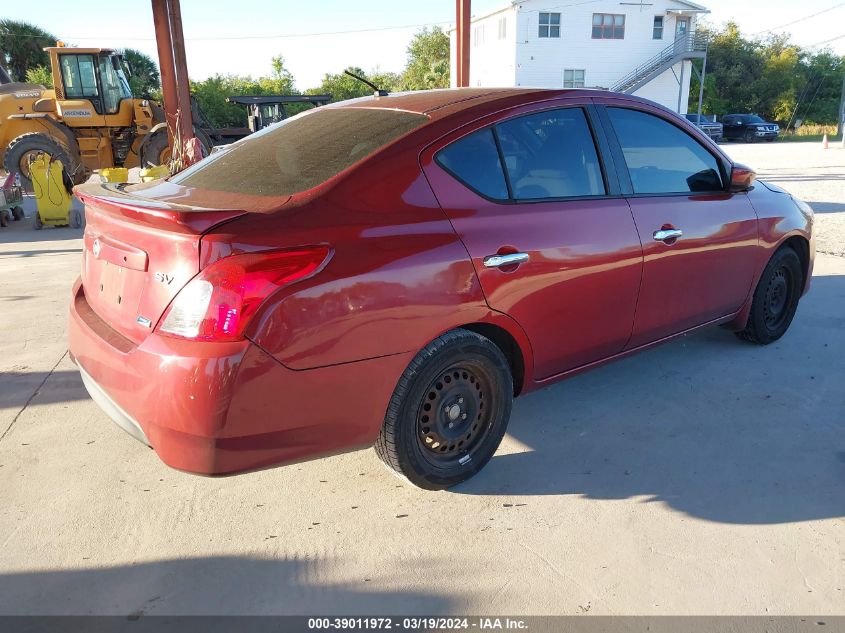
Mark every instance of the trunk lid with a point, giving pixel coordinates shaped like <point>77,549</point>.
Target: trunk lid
<point>140,248</point>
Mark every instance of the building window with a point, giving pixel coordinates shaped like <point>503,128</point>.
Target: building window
<point>478,36</point>
<point>549,25</point>
<point>657,33</point>
<point>503,28</point>
<point>608,26</point>
<point>573,78</point>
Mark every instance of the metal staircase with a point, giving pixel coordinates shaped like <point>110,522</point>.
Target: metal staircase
<point>690,46</point>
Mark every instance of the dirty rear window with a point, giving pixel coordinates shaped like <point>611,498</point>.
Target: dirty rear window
<point>301,152</point>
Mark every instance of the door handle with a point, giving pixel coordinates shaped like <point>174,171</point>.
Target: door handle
<point>511,259</point>
<point>664,235</point>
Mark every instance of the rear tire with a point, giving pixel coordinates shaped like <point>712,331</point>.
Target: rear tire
<point>449,411</point>
<point>775,298</point>
<point>36,222</point>
<point>157,150</point>
<point>4,219</point>
<point>77,220</point>
<point>17,214</point>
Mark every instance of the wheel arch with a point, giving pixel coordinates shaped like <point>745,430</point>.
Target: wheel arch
<point>515,353</point>
<point>801,245</point>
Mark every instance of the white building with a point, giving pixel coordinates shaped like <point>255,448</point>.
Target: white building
<point>643,47</point>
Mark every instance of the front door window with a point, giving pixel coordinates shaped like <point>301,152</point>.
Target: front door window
<point>682,27</point>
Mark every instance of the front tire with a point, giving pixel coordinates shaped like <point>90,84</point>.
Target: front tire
<point>750,136</point>
<point>775,298</point>
<point>26,145</point>
<point>449,411</point>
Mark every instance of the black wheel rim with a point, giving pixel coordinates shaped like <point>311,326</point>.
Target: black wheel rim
<point>455,416</point>
<point>780,292</point>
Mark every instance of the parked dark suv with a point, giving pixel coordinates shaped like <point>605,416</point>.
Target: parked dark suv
<point>713,129</point>
<point>749,128</point>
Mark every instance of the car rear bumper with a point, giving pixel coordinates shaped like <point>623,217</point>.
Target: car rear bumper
<point>222,408</point>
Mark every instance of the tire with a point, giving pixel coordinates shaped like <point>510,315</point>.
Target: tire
<point>4,219</point>
<point>77,220</point>
<point>463,379</point>
<point>19,150</point>
<point>17,214</point>
<point>156,151</point>
<point>775,298</point>
<point>36,222</point>
<point>750,136</point>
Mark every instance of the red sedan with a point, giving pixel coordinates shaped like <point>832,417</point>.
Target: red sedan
<point>394,270</point>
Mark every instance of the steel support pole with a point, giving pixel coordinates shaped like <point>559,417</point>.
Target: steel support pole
<point>183,85</point>
<point>462,24</point>
<point>681,84</point>
<point>701,78</point>
<point>161,20</point>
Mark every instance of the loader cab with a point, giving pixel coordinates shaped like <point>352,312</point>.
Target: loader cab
<point>90,84</point>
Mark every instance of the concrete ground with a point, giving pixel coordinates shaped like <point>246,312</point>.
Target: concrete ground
<point>706,476</point>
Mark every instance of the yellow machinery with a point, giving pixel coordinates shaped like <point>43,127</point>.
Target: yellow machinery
<point>53,200</point>
<point>89,121</point>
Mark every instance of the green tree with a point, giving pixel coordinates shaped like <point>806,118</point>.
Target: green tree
<point>428,61</point>
<point>145,80</point>
<point>40,75</point>
<point>341,86</point>
<point>21,45</point>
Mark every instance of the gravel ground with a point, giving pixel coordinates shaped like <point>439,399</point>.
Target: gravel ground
<point>702,477</point>
<point>809,172</point>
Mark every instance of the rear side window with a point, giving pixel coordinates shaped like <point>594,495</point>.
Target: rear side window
<point>551,154</point>
<point>301,152</point>
<point>474,160</point>
<point>662,158</point>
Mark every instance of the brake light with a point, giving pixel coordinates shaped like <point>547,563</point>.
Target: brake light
<point>218,304</point>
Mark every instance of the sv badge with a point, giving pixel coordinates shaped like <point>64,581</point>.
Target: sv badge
<point>164,278</point>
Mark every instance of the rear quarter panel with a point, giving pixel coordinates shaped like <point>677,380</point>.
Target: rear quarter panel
<point>398,276</point>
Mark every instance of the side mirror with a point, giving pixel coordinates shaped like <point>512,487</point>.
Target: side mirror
<point>742,178</point>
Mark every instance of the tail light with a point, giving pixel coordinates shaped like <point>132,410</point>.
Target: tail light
<point>218,304</point>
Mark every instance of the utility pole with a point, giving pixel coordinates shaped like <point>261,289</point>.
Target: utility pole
<point>701,77</point>
<point>840,123</point>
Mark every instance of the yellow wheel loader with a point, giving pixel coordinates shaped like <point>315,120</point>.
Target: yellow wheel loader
<point>89,121</point>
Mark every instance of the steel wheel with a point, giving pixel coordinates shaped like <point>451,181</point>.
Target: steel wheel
<point>778,297</point>
<point>452,421</point>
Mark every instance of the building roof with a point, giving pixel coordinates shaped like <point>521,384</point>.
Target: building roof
<point>692,8</point>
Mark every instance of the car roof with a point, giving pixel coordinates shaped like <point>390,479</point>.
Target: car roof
<point>438,104</point>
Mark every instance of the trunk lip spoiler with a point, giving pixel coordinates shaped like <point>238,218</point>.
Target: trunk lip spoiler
<point>164,215</point>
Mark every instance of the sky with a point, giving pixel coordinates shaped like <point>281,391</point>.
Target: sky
<point>325,36</point>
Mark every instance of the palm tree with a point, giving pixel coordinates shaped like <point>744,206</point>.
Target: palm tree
<point>145,79</point>
<point>21,47</point>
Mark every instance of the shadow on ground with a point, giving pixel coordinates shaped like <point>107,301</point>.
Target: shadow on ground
<point>18,387</point>
<point>207,586</point>
<point>711,426</point>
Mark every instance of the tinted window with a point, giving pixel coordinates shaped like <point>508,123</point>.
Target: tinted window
<point>551,155</point>
<point>301,152</point>
<point>474,160</point>
<point>661,158</point>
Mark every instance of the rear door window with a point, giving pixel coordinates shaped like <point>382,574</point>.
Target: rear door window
<point>662,158</point>
<point>300,153</point>
<point>474,160</point>
<point>551,154</point>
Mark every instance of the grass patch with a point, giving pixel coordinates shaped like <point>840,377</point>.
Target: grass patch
<point>808,138</point>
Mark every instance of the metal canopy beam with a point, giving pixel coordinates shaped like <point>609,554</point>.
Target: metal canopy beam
<point>175,87</point>
<point>462,23</point>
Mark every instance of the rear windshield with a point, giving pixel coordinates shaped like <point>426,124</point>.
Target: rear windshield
<point>299,153</point>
